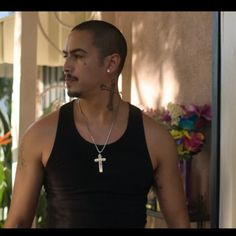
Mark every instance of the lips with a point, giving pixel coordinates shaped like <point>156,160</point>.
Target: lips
<point>70,79</point>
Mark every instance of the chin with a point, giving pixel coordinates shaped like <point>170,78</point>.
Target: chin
<point>73,94</point>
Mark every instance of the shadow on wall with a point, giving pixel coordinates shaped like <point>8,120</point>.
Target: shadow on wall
<point>171,57</point>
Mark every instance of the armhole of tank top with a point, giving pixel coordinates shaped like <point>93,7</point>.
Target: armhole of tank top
<point>142,136</point>
<point>60,121</point>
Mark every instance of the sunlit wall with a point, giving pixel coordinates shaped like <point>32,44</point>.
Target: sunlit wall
<point>171,57</point>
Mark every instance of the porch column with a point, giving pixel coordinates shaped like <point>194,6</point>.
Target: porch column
<point>24,78</point>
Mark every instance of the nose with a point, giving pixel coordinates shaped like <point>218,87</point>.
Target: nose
<point>67,67</point>
<point>66,72</point>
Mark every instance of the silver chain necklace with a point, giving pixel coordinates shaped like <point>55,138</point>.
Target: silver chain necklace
<point>100,159</point>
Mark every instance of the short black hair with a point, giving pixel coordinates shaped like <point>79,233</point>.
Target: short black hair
<point>106,38</point>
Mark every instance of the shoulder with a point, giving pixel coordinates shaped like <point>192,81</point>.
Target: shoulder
<point>44,123</point>
<point>33,142</point>
<point>160,143</point>
<point>48,122</point>
<point>41,130</point>
<point>156,131</point>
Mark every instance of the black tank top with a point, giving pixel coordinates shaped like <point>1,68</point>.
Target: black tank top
<point>79,196</point>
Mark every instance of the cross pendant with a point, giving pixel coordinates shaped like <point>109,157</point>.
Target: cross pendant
<point>100,159</point>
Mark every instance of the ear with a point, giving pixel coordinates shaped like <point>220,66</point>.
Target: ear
<point>112,63</point>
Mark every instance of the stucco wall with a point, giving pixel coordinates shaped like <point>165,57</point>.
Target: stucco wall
<point>171,56</point>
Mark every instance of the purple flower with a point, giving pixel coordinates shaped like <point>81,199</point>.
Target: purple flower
<point>165,116</point>
<point>206,112</point>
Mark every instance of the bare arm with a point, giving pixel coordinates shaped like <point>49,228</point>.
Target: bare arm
<point>170,190</point>
<point>167,175</point>
<point>28,182</point>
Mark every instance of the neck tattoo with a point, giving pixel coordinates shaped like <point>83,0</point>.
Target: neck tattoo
<point>100,159</point>
<point>111,91</point>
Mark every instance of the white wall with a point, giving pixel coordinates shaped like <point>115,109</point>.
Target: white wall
<point>228,122</point>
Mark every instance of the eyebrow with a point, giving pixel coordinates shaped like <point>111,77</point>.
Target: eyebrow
<point>75,50</point>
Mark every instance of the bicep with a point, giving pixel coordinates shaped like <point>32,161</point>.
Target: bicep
<point>169,185</point>
<point>167,175</point>
<point>27,185</point>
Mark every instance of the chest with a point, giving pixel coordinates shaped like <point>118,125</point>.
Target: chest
<point>77,164</point>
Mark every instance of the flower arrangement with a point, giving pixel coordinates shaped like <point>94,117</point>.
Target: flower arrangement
<point>185,123</point>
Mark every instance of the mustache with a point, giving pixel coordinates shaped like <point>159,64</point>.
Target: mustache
<point>67,75</point>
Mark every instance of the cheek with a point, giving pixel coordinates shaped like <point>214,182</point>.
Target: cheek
<point>89,68</point>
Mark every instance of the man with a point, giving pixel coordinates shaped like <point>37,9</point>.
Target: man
<point>98,155</point>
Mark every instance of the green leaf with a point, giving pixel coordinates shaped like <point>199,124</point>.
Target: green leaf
<point>2,173</point>
<point>2,183</point>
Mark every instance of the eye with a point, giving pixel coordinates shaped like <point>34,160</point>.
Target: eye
<point>73,56</point>
<point>76,56</point>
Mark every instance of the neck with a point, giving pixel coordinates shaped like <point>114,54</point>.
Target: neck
<point>96,128</point>
<point>112,91</point>
<point>97,111</point>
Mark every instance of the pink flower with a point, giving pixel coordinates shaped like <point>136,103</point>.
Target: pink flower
<point>194,142</point>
